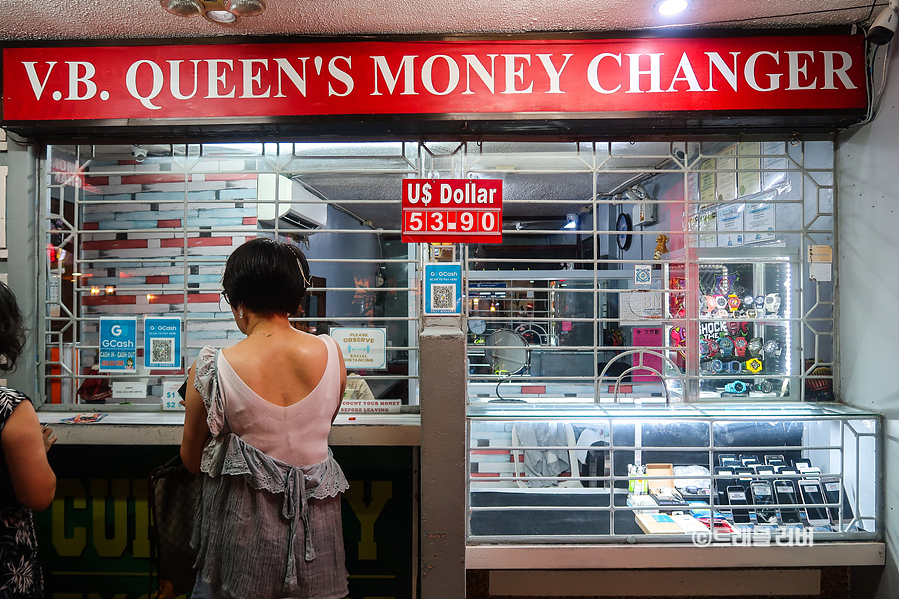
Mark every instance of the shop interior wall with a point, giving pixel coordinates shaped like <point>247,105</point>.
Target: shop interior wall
<point>868,327</point>
<point>798,207</point>
<point>127,207</point>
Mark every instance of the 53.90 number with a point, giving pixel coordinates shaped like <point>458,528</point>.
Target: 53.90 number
<point>453,221</point>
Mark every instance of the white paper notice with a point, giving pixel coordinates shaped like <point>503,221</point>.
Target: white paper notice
<point>707,182</point>
<point>774,164</point>
<point>730,220</point>
<point>170,397</point>
<point>749,179</point>
<point>708,221</point>
<point>759,222</point>
<point>819,271</point>
<point>727,175</point>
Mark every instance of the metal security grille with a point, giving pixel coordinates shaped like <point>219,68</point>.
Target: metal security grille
<point>654,272</point>
<point>628,271</point>
<point>145,231</point>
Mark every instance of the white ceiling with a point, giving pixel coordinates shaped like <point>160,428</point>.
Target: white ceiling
<point>123,19</point>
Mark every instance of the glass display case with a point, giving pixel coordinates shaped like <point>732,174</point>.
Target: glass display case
<point>738,315</point>
<point>615,473</point>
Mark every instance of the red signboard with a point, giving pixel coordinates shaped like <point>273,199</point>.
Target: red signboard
<point>452,211</point>
<point>524,78</point>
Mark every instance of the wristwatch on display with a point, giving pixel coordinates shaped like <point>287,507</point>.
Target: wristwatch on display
<point>720,302</point>
<point>748,302</point>
<point>703,349</point>
<point>717,365</point>
<point>726,345</point>
<point>772,303</point>
<point>751,313</point>
<point>764,387</point>
<point>772,348</point>
<point>740,345</point>
<point>733,327</point>
<point>713,348</point>
<point>733,303</point>
<point>760,302</point>
<point>754,365</point>
<point>755,346</point>
<point>734,366</point>
<point>722,313</point>
<point>710,303</point>
<point>736,387</point>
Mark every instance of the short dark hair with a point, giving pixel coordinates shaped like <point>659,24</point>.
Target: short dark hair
<point>266,277</point>
<point>12,331</point>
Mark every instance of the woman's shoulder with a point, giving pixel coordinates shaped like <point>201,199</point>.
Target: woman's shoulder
<point>204,368</point>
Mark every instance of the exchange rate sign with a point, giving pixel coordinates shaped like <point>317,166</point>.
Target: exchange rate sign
<point>452,211</point>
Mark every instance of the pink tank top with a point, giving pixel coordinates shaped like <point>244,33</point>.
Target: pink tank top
<point>296,434</point>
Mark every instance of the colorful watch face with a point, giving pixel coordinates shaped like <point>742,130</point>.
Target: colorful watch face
<point>733,327</point>
<point>754,365</point>
<point>765,387</point>
<point>736,387</point>
<point>733,303</point>
<point>772,348</point>
<point>717,365</point>
<point>726,344</point>
<point>755,345</point>
<point>740,344</point>
<point>713,348</point>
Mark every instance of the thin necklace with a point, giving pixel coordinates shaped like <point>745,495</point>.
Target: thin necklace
<point>269,334</point>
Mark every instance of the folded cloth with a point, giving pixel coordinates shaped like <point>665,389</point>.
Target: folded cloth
<point>543,462</point>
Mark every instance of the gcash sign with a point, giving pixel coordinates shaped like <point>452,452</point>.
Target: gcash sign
<point>452,211</point>
<point>575,78</point>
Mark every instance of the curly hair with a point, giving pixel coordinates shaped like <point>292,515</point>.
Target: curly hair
<point>12,331</point>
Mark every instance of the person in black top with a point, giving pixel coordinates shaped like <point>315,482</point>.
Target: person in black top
<point>26,480</point>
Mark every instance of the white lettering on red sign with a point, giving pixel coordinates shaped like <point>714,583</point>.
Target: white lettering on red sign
<point>486,77</point>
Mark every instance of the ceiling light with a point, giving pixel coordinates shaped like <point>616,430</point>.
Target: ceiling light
<point>183,8</point>
<point>220,16</point>
<point>218,11</point>
<point>244,8</point>
<point>669,8</point>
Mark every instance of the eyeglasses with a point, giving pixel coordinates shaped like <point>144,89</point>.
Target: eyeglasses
<point>224,304</point>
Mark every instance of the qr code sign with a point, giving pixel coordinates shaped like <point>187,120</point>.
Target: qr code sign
<point>162,351</point>
<point>443,297</point>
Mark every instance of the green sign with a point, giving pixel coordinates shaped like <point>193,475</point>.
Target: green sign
<point>94,540</point>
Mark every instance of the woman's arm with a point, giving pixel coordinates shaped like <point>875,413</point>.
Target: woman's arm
<point>342,384</point>
<point>196,431</point>
<point>25,447</point>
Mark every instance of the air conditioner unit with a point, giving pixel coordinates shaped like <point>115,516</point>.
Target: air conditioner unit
<point>297,208</point>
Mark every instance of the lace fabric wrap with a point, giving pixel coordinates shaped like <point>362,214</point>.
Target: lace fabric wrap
<point>252,509</point>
